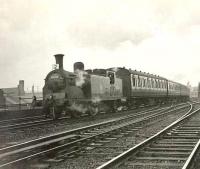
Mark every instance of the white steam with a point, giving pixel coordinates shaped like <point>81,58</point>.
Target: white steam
<point>80,79</point>
<point>96,100</point>
<point>115,69</point>
<point>78,108</point>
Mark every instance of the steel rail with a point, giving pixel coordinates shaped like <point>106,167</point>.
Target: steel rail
<point>125,155</point>
<point>192,156</point>
<point>64,133</point>
<point>27,124</point>
<point>20,118</point>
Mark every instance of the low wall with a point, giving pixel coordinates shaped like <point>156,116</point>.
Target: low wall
<point>12,114</point>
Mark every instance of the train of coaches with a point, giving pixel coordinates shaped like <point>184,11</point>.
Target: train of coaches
<point>91,91</point>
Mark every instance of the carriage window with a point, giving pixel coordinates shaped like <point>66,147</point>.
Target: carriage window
<point>139,81</point>
<point>134,80</point>
<point>149,83</point>
<point>142,82</point>
<point>144,85</point>
<point>159,84</point>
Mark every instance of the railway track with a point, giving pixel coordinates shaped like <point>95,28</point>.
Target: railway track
<point>174,147</point>
<point>69,143</point>
<point>21,123</point>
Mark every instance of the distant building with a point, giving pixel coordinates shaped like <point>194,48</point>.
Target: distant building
<point>193,92</point>
<point>20,87</point>
<point>17,95</point>
<point>12,94</point>
<point>15,91</point>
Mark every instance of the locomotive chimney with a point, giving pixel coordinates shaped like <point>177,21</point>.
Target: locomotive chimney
<point>59,60</point>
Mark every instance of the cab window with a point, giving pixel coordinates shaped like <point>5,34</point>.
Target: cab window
<point>111,75</point>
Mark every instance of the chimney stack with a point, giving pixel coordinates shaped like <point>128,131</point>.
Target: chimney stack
<point>59,60</point>
<point>21,91</point>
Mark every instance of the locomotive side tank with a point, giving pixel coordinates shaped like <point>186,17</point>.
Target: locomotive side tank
<point>104,89</point>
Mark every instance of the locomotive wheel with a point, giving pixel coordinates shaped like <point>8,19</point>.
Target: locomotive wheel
<point>46,111</point>
<point>75,114</point>
<point>93,110</point>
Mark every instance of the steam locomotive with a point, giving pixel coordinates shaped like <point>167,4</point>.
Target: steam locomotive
<point>91,91</point>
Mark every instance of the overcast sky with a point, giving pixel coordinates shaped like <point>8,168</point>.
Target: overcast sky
<point>157,36</point>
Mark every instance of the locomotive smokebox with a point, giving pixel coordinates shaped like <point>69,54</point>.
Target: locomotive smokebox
<point>59,60</point>
<point>78,66</point>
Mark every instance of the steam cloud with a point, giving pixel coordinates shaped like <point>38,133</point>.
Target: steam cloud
<point>80,80</point>
<point>96,100</point>
<point>78,107</point>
